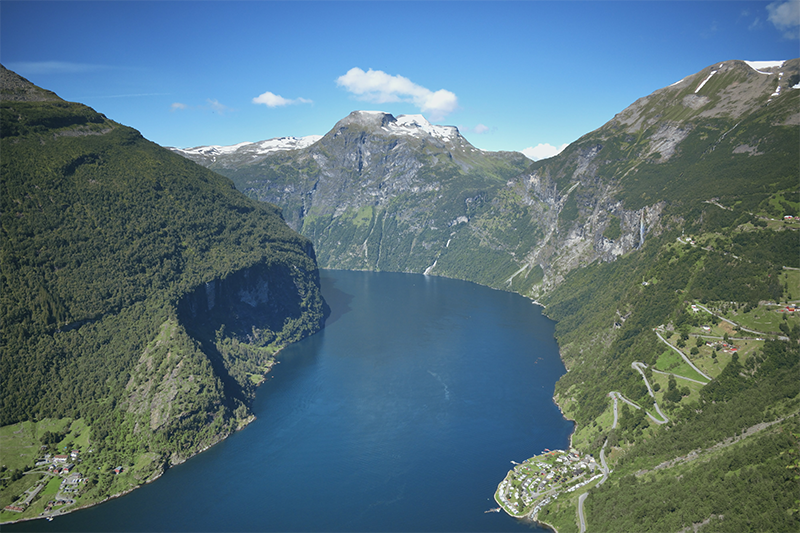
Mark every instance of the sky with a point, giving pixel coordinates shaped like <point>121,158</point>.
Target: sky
<point>529,76</point>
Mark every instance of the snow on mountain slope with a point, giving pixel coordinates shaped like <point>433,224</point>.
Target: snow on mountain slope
<point>759,66</point>
<point>417,124</point>
<point>254,149</point>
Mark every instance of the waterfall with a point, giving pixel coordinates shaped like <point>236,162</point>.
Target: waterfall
<point>641,229</point>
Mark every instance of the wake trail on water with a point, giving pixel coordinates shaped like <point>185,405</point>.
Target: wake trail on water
<point>446,390</point>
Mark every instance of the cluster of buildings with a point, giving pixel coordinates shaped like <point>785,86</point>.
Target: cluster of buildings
<point>58,465</point>
<point>726,347</point>
<point>542,475</point>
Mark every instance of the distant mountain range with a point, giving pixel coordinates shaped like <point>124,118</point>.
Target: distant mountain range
<point>455,209</point>
<point>246,152</point>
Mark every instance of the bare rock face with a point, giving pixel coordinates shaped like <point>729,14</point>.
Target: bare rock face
<point>15,88</point>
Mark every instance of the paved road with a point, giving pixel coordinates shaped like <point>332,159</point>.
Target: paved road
<point>635,406</point>
<point>640,368</point>
<point>603,464</point>
<point>679,377</point>
<point>616,415</point>
<point>580,511</point>
<point>683,356</point>
<point>583,496</point>
<point>615,394</point>
<point>734,324</point>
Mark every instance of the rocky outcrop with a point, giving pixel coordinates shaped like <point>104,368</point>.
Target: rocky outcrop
<point>15,88</point>
<point>235,323</point>
<point>260,298</point>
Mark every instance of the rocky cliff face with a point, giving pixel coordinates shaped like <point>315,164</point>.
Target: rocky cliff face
<point>683,144</point>
<point>255,304</point>
<point>238,321</point>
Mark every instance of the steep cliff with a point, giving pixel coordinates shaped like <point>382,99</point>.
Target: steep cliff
<point>143,297</point>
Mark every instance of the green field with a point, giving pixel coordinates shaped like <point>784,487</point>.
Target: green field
<point>670,361</point>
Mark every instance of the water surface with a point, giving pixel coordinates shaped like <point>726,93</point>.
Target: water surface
<point>403,414</point>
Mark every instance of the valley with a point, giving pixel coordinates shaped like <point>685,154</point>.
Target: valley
<point>664,245</point>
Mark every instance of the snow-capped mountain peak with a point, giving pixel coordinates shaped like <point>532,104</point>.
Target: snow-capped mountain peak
<point>251,149</point>
<point>417,125</point>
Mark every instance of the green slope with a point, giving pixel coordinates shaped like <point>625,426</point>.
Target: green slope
<point>109,246</point>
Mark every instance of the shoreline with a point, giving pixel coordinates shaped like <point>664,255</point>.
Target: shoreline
<point>251,418</point>
<point>162,468</point>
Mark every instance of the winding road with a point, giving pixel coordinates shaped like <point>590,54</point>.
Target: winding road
<point>640,368</point>
<point>688,362</point>
<point>679,377</point>
<point>583,496</point>
<point>616,412</point>
<point>734,324</point>
<point>616,396</point>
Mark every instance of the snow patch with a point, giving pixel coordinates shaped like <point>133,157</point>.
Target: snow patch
<point>777,89</point>
<point>705,81</point>
<point>285,143</point>
<point>213,149</point>
<point>759,65</point>
<point>417,126</point>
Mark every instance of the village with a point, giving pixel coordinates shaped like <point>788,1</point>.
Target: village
<point>60,482</point>
<point>59,466</point>
<point>540,479</point>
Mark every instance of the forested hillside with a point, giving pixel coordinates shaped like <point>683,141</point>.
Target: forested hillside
<point>699,324</point>
<point>142,296</point>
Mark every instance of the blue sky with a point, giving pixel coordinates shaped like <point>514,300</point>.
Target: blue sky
<point>510,75</point>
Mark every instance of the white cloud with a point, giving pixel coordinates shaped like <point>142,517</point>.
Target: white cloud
<point>480,128</point>
<point>270,99</point>
<point>379,87</point>
<point>786,17</point>
<point>215,106</point>
<point>210,105</point>
<point>543,151</point>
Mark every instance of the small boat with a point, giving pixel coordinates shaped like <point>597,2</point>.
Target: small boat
<point>495,510</point>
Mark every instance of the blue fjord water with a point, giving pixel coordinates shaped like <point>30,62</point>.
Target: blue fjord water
<point>403,414</point>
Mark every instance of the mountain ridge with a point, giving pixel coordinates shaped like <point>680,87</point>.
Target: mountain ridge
<point>142,298</point>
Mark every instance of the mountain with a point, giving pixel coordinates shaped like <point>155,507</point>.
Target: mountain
<point>701,178</point>
<point>243,153</point>
<point>666,246</point>
<point>386,193</point>
<point>401,194</point>
<point>142,297</point>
